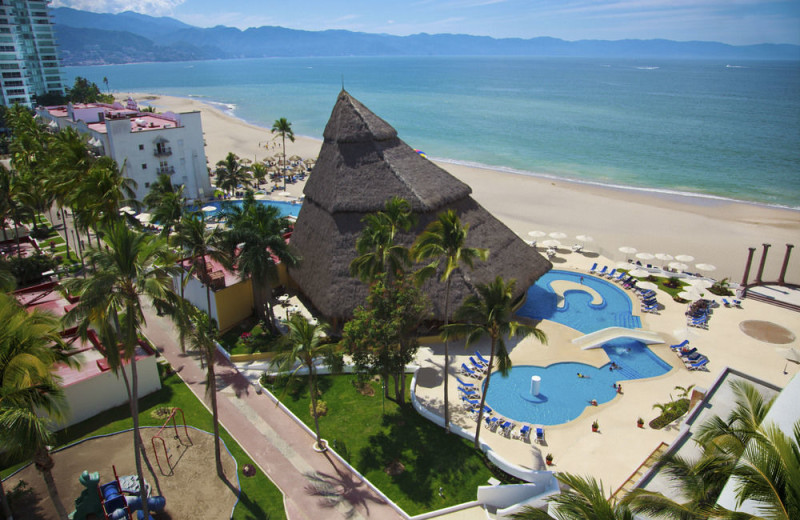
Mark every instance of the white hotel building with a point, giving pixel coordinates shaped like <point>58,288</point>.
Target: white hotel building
<point>143,144</point>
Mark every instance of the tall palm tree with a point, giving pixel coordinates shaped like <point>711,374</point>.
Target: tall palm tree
<point>304,343</point>
<point>489,313</point>
<point>30,344</point>
<point>585,499</point>
<point>199,244</point>
<point>165,202</point>
<point>376,246</point>
<point>203,337</point>
<point>256,240</point>
<point>132,266</point>
<point>230,173</point>
<point>283,128</point>
<point>445,239</point>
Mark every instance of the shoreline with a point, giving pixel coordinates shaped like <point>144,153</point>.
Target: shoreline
<point>713,230</point>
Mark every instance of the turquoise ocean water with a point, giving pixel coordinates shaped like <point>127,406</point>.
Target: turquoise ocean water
<point>706,128</point>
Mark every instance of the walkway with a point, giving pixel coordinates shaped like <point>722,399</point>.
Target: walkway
<point>276,443</point>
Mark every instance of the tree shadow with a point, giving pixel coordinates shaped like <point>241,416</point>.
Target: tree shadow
<point>340,488</point>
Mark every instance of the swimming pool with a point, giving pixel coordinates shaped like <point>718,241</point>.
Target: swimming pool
<point>563,395</point>
<point>286,208</point>
<point>578,309</point>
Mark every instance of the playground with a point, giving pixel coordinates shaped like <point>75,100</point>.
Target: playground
<point>188,481</point>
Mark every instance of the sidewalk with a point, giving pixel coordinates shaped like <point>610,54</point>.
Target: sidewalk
<point>275,442</point>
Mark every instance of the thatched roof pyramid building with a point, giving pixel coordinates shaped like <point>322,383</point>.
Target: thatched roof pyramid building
<point>361,165</point>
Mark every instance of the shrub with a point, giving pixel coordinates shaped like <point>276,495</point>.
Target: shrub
<point>721,288</point>
<point>322,409</point>
<point>670,412</point>
<point>28,270</point>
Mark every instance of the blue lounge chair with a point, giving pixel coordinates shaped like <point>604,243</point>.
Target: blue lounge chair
<point>540,435</point>
<point>680,345</point>
<point>694,357</point>
<point>524,432</point>
<point>507,426</point>
<point>603,272</point>
<point>472,402</point>
<point>481,358</point>
<point>612,273</point>
<point>687,353</point>
<point>594,268</point>
<point>738,303</point>
<point>621,276</point>
<point>491,422</point>
<point>698,365</point>
<point>726,303</point>
<point>468,371</point>
<point>477,366</point>
<point>469,393</point>
<point>464,383</point>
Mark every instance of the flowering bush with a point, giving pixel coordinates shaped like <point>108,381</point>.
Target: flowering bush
<point>246,337</point>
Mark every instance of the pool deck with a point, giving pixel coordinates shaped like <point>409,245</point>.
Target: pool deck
<point>619,447</point>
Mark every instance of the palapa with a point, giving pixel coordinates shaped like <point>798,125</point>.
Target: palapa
<point>361,165</point>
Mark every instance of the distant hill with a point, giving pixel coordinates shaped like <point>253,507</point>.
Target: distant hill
<point>87,38</point>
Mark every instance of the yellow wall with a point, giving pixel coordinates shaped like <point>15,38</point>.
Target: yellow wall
<point>234,303</point>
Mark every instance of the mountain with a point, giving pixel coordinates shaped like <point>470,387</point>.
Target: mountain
<point>87,38</point>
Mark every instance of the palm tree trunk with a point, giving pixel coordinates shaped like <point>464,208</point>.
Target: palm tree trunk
<point>66,231</point>
<point>212,379</point>
<point>4,501</point>
<point>446,368</point>
<point>137,440</point>
<point>44,463</point>
<point>483,396</point>
<point>284,161</point>
<point>313,395</point>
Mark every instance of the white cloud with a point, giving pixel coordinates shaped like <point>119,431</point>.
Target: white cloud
<point>149,7</point>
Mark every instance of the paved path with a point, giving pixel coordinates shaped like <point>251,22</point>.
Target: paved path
<point>280,447</point>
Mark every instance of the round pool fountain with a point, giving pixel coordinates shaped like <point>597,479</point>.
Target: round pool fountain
<point>536,382</point>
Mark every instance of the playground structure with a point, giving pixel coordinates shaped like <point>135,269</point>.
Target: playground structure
<point>115,500</point>
<point>163,444</point>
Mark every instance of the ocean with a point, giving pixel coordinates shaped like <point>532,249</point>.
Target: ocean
<point>703,128</point>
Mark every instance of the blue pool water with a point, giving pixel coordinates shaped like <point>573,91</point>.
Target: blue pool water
<point>563,395</point>
<point>287,208</point>
<point>578,311</point>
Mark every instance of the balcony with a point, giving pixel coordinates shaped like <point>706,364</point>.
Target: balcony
<point>165,169</point>
<point>162,151</point>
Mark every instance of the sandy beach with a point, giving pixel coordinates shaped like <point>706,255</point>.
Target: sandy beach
<point>716,232</point>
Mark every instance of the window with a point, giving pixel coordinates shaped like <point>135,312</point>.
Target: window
<point>146,184</point>
<point>141,147</point>
<point>144,166</point>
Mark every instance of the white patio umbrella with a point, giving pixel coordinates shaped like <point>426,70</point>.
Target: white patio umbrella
<point>209,209</point>
<point>678,266</point>
<point>558,235</point>
<point>125,209</point>
<point>144,217</point>
<point>700,283</point>
<point>584,238</point>
<point>684,258</point>
<point>664,257</point>
<point>624,265</point>
<point>639,273</point>
<point>705,267</point>
<point>690,295</point>
<point>628,250</point>
<point>792,354</point>
<point>551,243</point>
<point>644,256</point>
<point>536,234</point>
<point>647,286</point>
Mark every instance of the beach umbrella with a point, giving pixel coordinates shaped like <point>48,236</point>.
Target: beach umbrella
<point>625,265</point>
<point>684,258</point>
<point>209,209</point>
<point>125,209</point>
<point>144,217</point>
<point>647,286</point>
<point>678,266</point>
<point>700,283</point>
<point>792,354</point>
<point>551,243</point>
<point>639,273</point>
<point>644,256</point>
<point>537,234</point>
<point>664,257</point>
<point>584,238</point>
<point>558,235</point>
<point>690,295</point>
<point>705,267</point>
<point>628,250</point>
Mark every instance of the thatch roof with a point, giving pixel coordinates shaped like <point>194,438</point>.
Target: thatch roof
<point>361,165</point>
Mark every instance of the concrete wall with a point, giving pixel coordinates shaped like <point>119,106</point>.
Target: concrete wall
<point>195,293</point>
<point>91,396</point>
<point>234,303</point>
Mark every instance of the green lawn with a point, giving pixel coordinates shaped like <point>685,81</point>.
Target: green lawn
<point>259,499</point>
<point>357,428</point>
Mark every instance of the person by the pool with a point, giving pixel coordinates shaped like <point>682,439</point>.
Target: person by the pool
<point>582,376</point>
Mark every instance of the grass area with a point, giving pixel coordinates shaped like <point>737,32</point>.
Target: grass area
<point>260,498</point>
<point>258,340</point>
<point>356,427</point>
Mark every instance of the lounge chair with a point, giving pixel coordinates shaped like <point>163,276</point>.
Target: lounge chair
<point>621,276</point>
<point>700,365</point>
<point>481,358</point>
<point>577,248</point>
<point>469,393</point>
<point>725,302</point>
<point>680,345</point>
<point>738,303</point>
<point>594,268</point>
<point>471,402</point>
<point>478,365</point>
<point>469,372</point>
<point>540,435</point>
<point>603,271</point>
<point>612,273</point>
<point>524,433</point>
<point>491,423</point>
<point>464,383</point>
<point>694,357</point>
<point>687,353</point>
<point>507,426</point>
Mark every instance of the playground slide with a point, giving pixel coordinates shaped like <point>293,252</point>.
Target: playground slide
<point>597,339</point>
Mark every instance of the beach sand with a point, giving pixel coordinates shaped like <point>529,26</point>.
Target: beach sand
<point>716,232</point>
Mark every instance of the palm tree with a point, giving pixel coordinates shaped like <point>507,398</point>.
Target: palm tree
<point>445,239</point>
<point>203,337</point>
<point>585,499</point>
<point>256,240</point>
<point>489,313</point>
<point>230,173</point>
<point>200,244</point>
<point>30,344</point>
<point>131,267</point>
<point>165,203</point>
<point>283,128</point>
<point>304,343</point>
<point>376,248</point>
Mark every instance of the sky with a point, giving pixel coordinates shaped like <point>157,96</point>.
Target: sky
<point>737,22</point>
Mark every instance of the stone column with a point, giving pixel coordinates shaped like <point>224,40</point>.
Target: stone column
<point>781,278</point>
<point>763,261</point>
<point>751,250</point>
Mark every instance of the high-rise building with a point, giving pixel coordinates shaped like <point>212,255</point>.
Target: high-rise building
<point>28,58</point>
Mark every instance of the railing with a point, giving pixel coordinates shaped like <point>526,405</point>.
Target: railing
<point>160,152</point>
<point>166,169</point>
